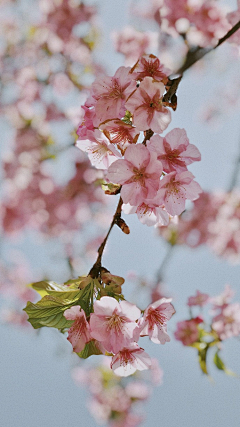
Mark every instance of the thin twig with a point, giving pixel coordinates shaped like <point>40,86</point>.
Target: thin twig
<point>96,267</point>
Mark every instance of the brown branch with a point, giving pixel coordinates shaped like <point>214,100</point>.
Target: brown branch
<point>196,54</point>
<point>193,55</point>
<point>94,272</point>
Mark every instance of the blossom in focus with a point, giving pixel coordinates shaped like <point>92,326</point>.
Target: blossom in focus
<point>120,133</point>
<point>147,108</point>
<point>174,150</point>
<point>138,173</point>
<point>187,332</point>
<point>149,212</point>
<point>200,299</point>
<point>130,359</point>
<point>175,188</point>
<point>150,66</point>
<point>100,152</point>
<point>111,93</point>
<point>113,323</point>
<point>79,333</point>
<point>154,321</point>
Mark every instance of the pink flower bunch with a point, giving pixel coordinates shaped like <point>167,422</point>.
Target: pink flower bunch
<point>116,328</point>
<point>153,176</point>
<point>112,398</point>
<point>214,220</point>
<point>203,22</point>
<point>223,320</point>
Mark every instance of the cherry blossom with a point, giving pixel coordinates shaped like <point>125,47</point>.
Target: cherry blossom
<point>187,332</point>
<point>149,212</point>
<point>113,323</point>
<point>150,66</point>
<point>233,19</point>
<point>130,359</point>
<point>139,173</point>
<point>111,93</point>
<point>101,153</point>
<point>200,299</point>
<point>227,323</point>
<point>147,108</point>
<point>154,321</point>
<point>175,188</point>
<point>120,133</point>
<point>79,333</point>
<point>174,150</point>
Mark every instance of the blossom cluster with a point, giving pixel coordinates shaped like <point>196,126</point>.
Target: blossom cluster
<point>116,326</point>
<point>214,220</point>
<point>222,321</point>
<point>152,176</point>
<point>113,399</point>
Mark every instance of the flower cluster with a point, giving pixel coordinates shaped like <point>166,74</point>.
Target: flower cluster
<point>112,398</point>
<point>204,332</point>
<point>152,176</point>
<point>213,220</point>
<point>116,328</point>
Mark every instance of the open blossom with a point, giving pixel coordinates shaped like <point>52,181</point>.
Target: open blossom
<point>175,188</point>
<point>130,359</point>
<point>174,150</point>
<point>149,212</point>
<point>187,332</point>
<point>113,323</point>
<point>150,66</point>
<point>227,323</point>
<point>154,320</point>
<point>120,133</point>
<point>138,173</point>
<point>79,333</point>
<point>111,93</point>
<point>146,106</point>
<point>200,299</point>
<point>100,151</point>
<point>233,19</point>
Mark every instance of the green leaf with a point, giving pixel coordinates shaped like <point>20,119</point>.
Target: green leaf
<point>221,365</point>
<point>202,359</point>
<point>89,349</point>
<point>49,310</point>
<point>45,287</point>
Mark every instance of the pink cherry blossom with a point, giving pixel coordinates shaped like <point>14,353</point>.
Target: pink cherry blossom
<point>175,188</point>
<point>111,93</point>
<point>148,212</point>
<point>113,323</point>
<point>150,66</point>
<point>174,150</point>
<point>120,133</point>
<point>79,333</point>
<point>227,323</point>
<point>100,151</point>
<point>200,299</point>
<point>154,321</point>
<point>139,173</point>
<point>146,106</point>
<point>187,332</point>
<point>130,359</point>
<point>233,19</point>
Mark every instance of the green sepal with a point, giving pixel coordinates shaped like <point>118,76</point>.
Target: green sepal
<point>89,350</point>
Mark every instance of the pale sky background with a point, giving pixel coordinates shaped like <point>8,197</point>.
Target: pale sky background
<point>35,369</point>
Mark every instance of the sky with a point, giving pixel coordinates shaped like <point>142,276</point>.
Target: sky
<point>35,370</point>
